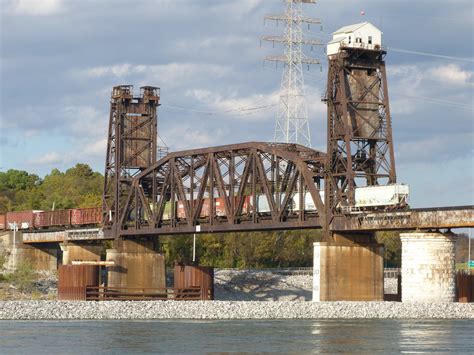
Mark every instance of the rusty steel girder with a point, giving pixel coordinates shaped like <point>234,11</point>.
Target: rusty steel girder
<point>249,186</point>
<point>413,219</point>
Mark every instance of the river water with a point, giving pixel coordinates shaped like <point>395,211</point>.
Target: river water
<point>284,336</point>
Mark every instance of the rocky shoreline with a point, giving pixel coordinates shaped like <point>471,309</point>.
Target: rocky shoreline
<point>57,310</point>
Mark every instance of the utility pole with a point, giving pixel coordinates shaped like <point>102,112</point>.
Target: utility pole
<point>292,117</point>
<point>469,253</point>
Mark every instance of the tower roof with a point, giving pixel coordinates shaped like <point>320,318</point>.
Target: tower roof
<point>352,28</point>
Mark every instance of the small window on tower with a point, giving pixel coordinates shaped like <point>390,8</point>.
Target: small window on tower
<point>370,40</point>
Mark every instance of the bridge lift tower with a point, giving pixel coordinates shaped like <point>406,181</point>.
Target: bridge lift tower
<point>359,138</point>
<point>131,145</point>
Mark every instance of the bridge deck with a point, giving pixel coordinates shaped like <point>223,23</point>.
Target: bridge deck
<point>422,218</point>
<point>419,218</point>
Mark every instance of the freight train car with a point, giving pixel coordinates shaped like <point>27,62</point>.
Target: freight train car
<point>219,205</point>
<point>36,219</point>
<point>45,219</point>
<point>385,195</point>
<point>3,221</point>
<point>21,219</point>
<point>86,216</point>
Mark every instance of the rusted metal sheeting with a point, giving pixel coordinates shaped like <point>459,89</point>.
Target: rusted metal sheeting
<point>73,280</point>
<point>52,218</point>
<point>84,216</point>
<point>23,219</point>
<point>186,276</point>
<point>465,287</point>
<point>3,222</point>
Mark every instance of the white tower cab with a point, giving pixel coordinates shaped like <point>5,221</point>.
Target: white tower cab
<point>361,35</point>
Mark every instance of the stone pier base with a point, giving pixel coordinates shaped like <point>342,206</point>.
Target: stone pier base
<point>80,252</point>
<point>348,269</point>
<point>428,267</point>
<point>138,264</point>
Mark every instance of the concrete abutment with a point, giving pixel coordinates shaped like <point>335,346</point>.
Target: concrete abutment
<point>138,264</point>
<point>41,257</point>
<point>428,267</point>
<point>350,268</point>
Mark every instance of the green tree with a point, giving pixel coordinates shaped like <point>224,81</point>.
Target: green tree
<point>393,247</point>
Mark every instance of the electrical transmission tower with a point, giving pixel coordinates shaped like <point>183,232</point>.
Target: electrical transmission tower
<point>292,117</point>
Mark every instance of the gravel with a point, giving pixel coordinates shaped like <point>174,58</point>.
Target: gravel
<point>271,285</point>
<point>261,285</point>
<point>239,294</point>
<point>390,285</point>
<point>57,310</point>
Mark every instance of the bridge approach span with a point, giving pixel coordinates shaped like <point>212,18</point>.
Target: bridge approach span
<point>417,218</point>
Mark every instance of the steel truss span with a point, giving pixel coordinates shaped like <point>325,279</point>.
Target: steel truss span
<point>249,186</point>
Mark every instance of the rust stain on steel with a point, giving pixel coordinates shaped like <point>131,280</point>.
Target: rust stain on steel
<point>465,287</point>
<point>186,276</point>
<point>73,280</point>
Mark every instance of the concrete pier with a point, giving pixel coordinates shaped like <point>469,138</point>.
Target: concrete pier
<point>348,269</point>
<point>80,252</point>
<point>138,264</point>
<point>428,267</point>
<point>42,257</point>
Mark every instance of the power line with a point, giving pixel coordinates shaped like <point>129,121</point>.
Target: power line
<point>437,101</point>
<point>241,111</point>
<point>430,54</point>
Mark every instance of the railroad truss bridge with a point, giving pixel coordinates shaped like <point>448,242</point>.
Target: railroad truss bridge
<point>250,187</point>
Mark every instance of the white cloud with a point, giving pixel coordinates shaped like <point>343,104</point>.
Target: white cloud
<point>85,121</point>
<point>186,137</point>
<point>166,72</point>
<point>451,73</point>
<point>94,149</point>
<point>51,158</point>
<point>249,108</point>
<point>33,7</point>
<point>435,148</point>
<point>236,8</point>
<point>119,70</point>
<point>220,42</point>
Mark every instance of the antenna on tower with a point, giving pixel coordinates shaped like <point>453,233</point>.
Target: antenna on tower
<point>292,118</point>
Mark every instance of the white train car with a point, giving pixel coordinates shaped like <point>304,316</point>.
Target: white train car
<point>387,195</point>
<point>309,204</point>
<point>262,202</point>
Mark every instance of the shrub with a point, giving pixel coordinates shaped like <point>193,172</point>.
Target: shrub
<point>23,277</point>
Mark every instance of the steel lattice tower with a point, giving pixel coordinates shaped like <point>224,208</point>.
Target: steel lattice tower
<point>131,146</point>
<point>292,118</point>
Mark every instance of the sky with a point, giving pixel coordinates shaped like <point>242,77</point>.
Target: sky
<point>59,60</point>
